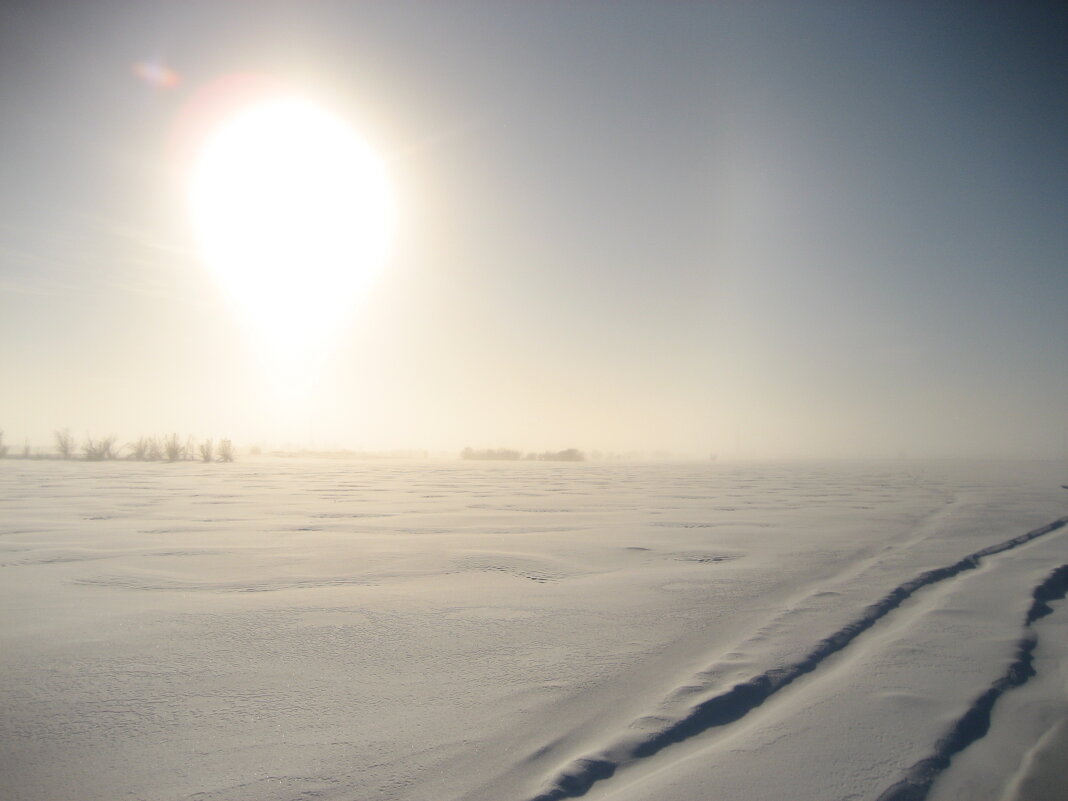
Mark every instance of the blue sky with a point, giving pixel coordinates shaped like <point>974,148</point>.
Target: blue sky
<point>819,229</point>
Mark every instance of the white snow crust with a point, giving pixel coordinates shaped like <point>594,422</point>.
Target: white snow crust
<point>275,630</point>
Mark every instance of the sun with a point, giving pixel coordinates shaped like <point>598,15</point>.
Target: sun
<point>294,214</point>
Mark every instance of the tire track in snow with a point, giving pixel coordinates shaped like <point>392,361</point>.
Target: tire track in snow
<point>975,723</point>
<point>577,777</point>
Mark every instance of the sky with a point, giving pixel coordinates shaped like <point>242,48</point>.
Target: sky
<point>756,230</point>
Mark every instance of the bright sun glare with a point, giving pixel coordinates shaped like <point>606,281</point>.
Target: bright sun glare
<point>294,214</point>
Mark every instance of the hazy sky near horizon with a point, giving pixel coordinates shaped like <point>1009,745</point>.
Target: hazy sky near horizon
<point>757,229</point>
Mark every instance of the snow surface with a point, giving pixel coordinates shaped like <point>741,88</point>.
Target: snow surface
<point>275,630</point>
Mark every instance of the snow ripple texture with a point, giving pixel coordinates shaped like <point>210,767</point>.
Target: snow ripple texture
<point>278,629</point>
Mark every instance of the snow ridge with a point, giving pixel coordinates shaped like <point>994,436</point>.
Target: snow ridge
<point>577,777</point>
<point>975,723</point>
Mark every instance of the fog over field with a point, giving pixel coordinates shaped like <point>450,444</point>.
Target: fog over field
<point>526,401</point>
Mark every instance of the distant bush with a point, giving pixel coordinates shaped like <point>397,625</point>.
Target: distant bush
<point>138,450</point>
<point>505,454</point>
<point>173,450</point>
<point>99,450</point>
<point>490,453</point>
<point>65,443</point>
<point>569,455</point>
<point>143,449</point>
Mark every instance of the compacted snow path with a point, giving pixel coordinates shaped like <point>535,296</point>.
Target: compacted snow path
<point>276,630</point>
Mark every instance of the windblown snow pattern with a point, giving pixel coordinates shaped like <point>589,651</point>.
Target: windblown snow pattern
<point>282,629</point>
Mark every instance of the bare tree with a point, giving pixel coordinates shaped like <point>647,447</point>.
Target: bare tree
<point>226,451</point>
<point>3,447</point>
<point>207,451</point>
<point>65,443</point>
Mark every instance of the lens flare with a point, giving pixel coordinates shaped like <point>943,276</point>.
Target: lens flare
<point>156,74</point>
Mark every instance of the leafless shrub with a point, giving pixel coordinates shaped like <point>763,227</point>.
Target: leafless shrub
<point>144,449</point>
<point>139,449</point>
<point>99,450</point>
<point>173,450</point>
<point>65,443</point>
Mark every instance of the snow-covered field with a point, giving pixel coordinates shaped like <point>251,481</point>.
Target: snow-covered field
<point>275,630</point>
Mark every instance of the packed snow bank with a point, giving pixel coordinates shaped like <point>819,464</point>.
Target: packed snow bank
<point>277,630</point>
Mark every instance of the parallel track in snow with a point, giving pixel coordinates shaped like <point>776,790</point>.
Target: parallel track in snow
<point>975,722</point>
<point>578,776</point>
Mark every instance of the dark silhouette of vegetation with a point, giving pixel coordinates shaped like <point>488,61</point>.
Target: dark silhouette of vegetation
<point>3,447</point>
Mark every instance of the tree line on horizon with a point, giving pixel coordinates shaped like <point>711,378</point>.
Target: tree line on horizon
<point>508,455</point>
<point>169,448</point>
